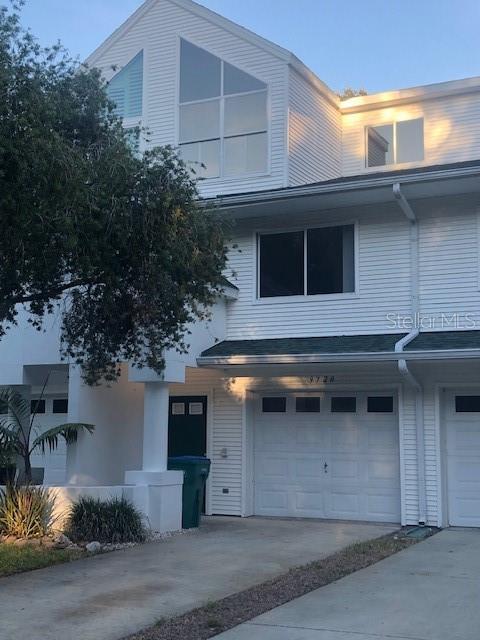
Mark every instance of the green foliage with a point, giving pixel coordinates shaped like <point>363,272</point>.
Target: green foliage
<point>348,92</point>
<point>109,521</point>
<point>26,511</point>
<point>15,559</point>
<point>17,428</point>
<point>114,240</point>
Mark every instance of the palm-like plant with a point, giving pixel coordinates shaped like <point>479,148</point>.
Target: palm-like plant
<point>18,433</point>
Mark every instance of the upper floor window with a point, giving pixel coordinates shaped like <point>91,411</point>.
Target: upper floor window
<point>125,89</point>
<point>395,143</point>
<point>308,262</point>
<point>223,120</point>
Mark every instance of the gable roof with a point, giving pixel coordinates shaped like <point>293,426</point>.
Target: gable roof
<point>224,23</point>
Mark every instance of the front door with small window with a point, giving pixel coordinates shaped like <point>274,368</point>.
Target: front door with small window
<point>187,426</point>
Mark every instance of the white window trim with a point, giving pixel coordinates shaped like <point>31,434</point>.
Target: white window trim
<point>317,297</point>
<point>222,176</point>
<point>394,164</point>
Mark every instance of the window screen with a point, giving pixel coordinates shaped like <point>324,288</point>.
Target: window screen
<point>380,404</point>
<point>330,260</point>
<point>343,404</point>
<point>467,404</point>
<point>281,264</point>
<point>307,404</point>
<point>274,405</point>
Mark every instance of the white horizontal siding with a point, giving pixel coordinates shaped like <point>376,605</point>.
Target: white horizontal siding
<point>451,130</point>
<point>314,134</point>
<point>157,33</point>
<point>449,257</point>
<point>383,279</point>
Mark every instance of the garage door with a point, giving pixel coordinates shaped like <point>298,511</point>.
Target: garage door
<point>327,456</point>
<point>462,414</point>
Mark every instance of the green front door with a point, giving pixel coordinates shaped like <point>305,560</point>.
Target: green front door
<point>187,426</point>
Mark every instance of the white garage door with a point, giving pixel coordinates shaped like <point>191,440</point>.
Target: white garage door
<point>327,456</point>
<point>462,414</point>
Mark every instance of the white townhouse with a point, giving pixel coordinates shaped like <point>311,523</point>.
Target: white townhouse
<point>340,375</point>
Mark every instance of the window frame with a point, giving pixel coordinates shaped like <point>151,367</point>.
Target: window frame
<point>393,123</point>
<point>222,98</point>
<point>305,297</point>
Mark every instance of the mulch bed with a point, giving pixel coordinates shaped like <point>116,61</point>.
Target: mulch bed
<point>216,617</point>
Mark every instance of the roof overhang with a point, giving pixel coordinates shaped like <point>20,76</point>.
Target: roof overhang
<point>319,358</point>
<point>355,192</point>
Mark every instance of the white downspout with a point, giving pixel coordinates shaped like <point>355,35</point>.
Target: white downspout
<point>401,344</point>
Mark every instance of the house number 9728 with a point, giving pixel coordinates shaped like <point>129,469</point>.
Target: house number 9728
<point>319,380</point>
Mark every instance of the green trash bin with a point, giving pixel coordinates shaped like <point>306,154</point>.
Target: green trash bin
<point>196,470</point>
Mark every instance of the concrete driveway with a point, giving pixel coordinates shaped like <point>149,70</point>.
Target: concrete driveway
<point>428,592</point>
<point>107,597</point>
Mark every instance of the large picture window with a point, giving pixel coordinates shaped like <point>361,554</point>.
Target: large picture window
<point>308,262</point>
<point>223,120</point>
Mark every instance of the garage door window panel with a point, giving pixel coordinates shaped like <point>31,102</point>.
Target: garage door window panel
<point>343,404</point>
<point>307,404</point>
<point>467,404</point>
<point>380,404</point>
<point>274,404</point>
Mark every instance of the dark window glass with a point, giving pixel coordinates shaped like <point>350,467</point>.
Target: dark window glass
<point>380,404</point>
<point>281,264</point>
<point>60,405</point>
<point>274,405</point>
<point>467,404</point>
<point>330,260</point>
<point>3,407</point>
<point>344,404</point>
<point>308,404</point>
<point>37,406</point>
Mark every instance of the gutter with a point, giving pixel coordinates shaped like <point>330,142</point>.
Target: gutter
<point>288,193</point>
<point>402,362</point>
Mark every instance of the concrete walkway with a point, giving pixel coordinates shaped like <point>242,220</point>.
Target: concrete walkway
<point>107,597</point>
<point>428,592</point>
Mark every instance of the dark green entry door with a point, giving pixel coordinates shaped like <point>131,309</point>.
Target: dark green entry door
<point>187,426</point>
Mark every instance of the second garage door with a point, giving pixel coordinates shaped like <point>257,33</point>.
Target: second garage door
<point>327,456</point>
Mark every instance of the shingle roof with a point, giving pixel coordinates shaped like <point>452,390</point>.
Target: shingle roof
<point>442,340</point>
<point>375,343</point>
<point>293,346</point>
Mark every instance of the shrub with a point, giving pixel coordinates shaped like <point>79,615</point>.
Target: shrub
<point>110,521</point>
<point>26,511</point>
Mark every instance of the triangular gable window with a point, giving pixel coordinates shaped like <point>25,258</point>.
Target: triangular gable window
<point>125,89</point>
<point>223,116</point>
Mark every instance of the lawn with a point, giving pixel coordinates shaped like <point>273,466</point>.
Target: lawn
<point>15,559</point>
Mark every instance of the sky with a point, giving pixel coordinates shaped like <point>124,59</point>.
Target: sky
<point>373,44</point>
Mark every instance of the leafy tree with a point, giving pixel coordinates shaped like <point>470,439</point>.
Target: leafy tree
<point>19,436</point>
<point>348,92</point>
<point>116,241</point>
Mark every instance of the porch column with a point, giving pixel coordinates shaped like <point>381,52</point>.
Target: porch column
<point>155,426</point>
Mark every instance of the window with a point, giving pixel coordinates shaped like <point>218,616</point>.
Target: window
<point>274,405</point>
<point>380,404</point>
<point>222,116</point>
<point>125,89</point>
<point>307,404</point>
<point>343,404</point>
<point>395,143</point>
<point>467,404</point>
<point>37,406</point>
<point>3,407</point>
<point>311,262</point>
<point>60,405</point>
